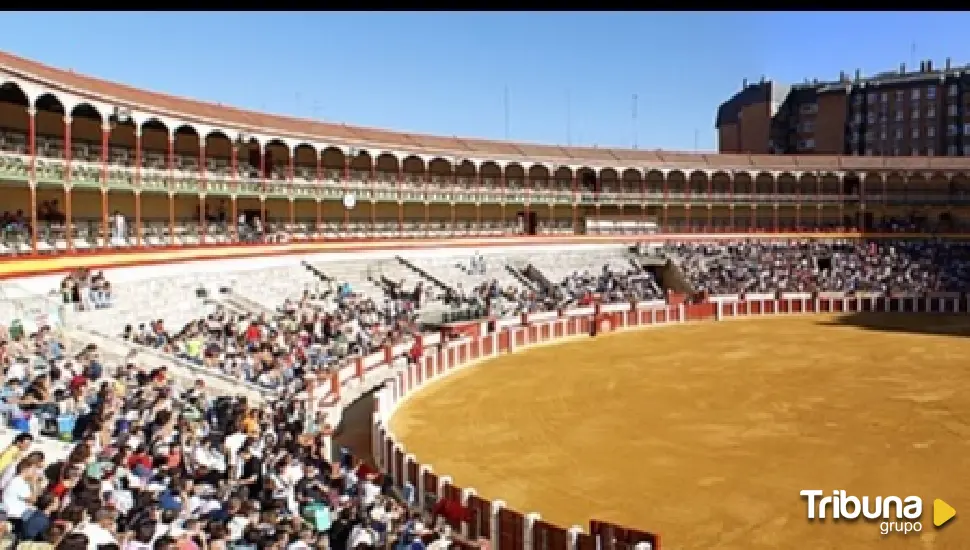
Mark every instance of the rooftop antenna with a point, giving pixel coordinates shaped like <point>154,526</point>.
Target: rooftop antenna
<point>912,54</point>
<point>635,133</point>
<point>506,101</point>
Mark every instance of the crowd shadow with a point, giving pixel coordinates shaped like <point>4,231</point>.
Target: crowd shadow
<point>937,324</point>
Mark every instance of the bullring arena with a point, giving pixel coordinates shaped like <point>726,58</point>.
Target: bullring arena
<point>783,322</point>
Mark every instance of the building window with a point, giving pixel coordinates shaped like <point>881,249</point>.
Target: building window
<point>871,118</point>
<point>807,127</point>
<point>914,151</point>
<point>899,116</point>
<point>807,144</point>
<point>915,133</point>
<point>930,131</point>
<point>914,95</point>
<point>951,110</point>
<point>871,97</point>
<point>931,112</point>
<point>899,96</point>
<point>882,134</point>
<point>884,97</point>
<point>896,151</point>
<point>930,152</point>
<point>809,108</point>
<point>915,114</point>
<point>953,90</point>
<point>951,129</point>
<point>898,134</point>
<point>857,99</point>
<point>952,150</point>
<point>931,92</point>
<point>870,152</point>
<point>966,128</point>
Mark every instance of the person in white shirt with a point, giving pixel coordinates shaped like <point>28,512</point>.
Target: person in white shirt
<point>118,229</point>
<point>101,530</point>
<point>362,534</point>
<point>18,498</point>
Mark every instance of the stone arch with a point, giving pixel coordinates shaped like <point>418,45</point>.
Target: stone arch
<point>305,161</point>
<point>18,119</point>
<point>631,181</point>
<point>361,165</point>
<point>50,125</point>
<point>676,182</point>
<point>154,141</point>
<point>609,180</point>
<point>563,179</point>
<point>539,177</point>
<point>186,147</point>
<point>332,160</point>
<point>896,185</point>
<point>414,169</point>
<point>654,182</point>
<point>787,184</point>
<point>467,173</point>
<point>917,183</point>
<point>743,183</point>
<point>387,167</point>
<point>249,155</point>
<point>218,151</point>
<point>586,179</point>
<point>277,154</point>
<point>721,183</point>
<point>808,184</point>
<point>514,176</point>
<point>764,184</point>
<point>440,171</point>
<point>830,184</point>
<point>697,183</point>
<point>86,123</point>
<point>851,183</point>
<point>873,185</point>
<point>491,174</point>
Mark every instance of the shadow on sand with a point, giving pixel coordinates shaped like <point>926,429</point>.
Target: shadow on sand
<point>939,324</point>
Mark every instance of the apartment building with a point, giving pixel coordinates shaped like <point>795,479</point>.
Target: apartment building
<point>924,112</point>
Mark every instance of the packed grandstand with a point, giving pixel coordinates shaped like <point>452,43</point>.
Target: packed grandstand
<point>180,406</point>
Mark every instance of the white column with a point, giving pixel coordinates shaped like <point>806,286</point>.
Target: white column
<point>574,533</point>
<point>494,534</point>
<point>465,494</point>
<point>408,459</point>
<point>527,530</point>
<point>511,333</point>
<point>443,482</point>
<point>422,489</point>
<point>681,312</point>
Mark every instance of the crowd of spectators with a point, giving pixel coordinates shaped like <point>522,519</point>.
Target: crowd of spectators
<point>892,267</point>
<point>159,462</point>
<point>86,289</point>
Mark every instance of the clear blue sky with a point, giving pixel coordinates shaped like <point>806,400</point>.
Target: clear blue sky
<point>446,73</point>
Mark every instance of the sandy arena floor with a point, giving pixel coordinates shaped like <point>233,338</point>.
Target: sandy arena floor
<point>707,432</point>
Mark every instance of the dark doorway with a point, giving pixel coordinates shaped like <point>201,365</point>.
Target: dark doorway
<point>528,222</point>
